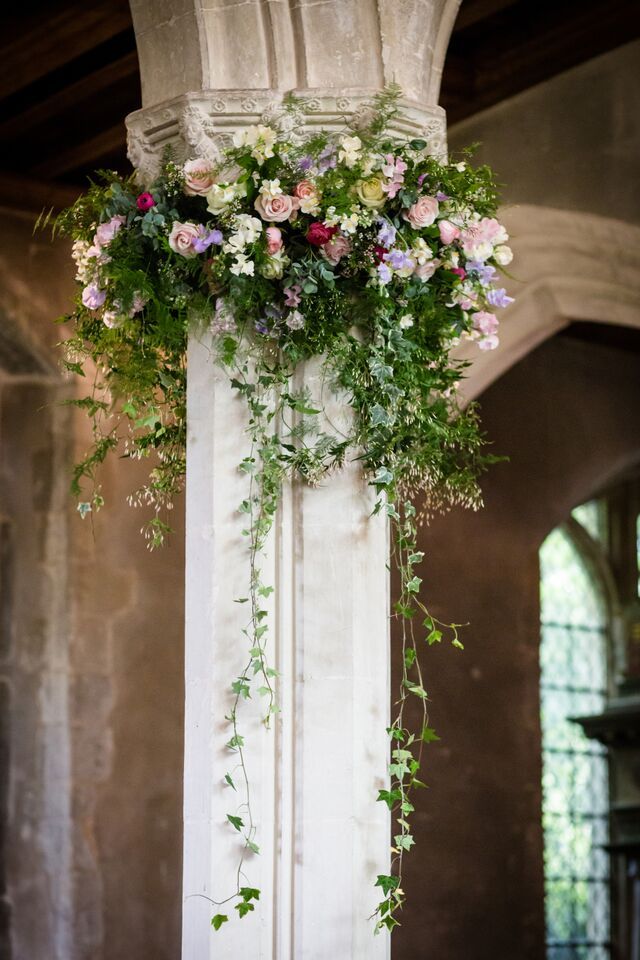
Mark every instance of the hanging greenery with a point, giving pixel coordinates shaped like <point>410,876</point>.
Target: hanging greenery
<point>357,248</point>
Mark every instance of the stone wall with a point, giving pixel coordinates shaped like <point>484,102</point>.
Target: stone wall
<point>475,884</point>
<point>572,142</point>
<point>90,663</point>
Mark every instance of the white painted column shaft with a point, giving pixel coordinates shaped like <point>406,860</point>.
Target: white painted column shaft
<point>315,774</point>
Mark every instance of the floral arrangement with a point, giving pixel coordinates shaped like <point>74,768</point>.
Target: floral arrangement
<point>356,247</point>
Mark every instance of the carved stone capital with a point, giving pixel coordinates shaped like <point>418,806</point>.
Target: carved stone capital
<point>202,124</point>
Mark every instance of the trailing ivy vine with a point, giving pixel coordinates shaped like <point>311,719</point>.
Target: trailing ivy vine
<point>357,250</point>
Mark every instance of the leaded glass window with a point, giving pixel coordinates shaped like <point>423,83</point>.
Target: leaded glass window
<point>573,658</point>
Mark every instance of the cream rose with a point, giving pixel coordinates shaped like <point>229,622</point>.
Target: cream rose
<point>503,255</point>
<point>198,178</point>
<point>221,196</point>
<point>182,237</point>
<point>422,213</point>
<point>277,209</point>
<point>370,192</point>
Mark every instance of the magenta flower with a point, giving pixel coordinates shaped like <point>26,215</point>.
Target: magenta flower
<point>145,201</point>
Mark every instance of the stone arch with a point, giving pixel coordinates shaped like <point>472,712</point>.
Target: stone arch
<point>568,266</point>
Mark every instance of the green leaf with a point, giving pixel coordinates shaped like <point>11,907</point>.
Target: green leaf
<point>429,735</point>
<point>434,637</point>
<point>235,822</point>
<point>249,893</point>
<point>253,846</point>
<point>244,908</point>
<point>388,883</point>
<point>218,920</point>
<point>229,781</point>
<point>404,841</point>
<point>409,657</point>
<point>413,585</point>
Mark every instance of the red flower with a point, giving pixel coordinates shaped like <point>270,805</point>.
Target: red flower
<point>318,234</point>
<point>379,253</point>
<point>459,272</point>
<point>145,201</point>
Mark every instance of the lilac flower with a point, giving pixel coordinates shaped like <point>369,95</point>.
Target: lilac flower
<point>498,297</point>
<point>327,159</point>
<point>387,233</point>
<point>485,271</point>
<point>384,273</point>
<point>292,298</point>
<point>397,258</point>
<point>93,297</point>
<point>205,238</point>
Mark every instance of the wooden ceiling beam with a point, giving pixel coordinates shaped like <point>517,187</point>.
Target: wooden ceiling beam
<point>31,47</point>
<point>86,153</point>
<point>70,98</point>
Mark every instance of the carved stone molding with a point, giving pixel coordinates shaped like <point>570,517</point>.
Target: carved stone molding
<point>201,124</point>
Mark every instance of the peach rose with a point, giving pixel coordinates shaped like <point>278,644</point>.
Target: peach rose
<point>422,213</point>
<point>307,193</point>
<point>277,209</point>
<point>182,237</point>
<point>274,240</point>
<point>198,178</point>
<point>335,249</point>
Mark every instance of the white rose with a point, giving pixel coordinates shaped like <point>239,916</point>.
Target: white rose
<point>221,196</point>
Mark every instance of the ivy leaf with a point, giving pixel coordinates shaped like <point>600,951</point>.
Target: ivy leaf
<point>404,841</point>
<point>229,781</point>
<point>409,657</point>
<point>434,637</point>
<point>235,822</point>
<point>244,908</point>
<point>429,735</point>
<point>218,920</point>
<point>413,585</point>
<point>249,893</point>
<point>388,883</point>
<point>253,846</point>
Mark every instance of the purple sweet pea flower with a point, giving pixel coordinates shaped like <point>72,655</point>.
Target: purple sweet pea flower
<point>387,233</point>
<point>485,271</point>
<point>421,179</point>
<point>441,197</point>
<point>397,258</point>
<point>384,273</point>
<point>205,238</point>
<point>305,163</point>
<point>262,327</point>
<point>292,295</point>
<point>93,297</point>
<point>327,159</point>
<point>498,297</point>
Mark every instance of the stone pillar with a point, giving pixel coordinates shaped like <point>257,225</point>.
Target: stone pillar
<point>209,69</point>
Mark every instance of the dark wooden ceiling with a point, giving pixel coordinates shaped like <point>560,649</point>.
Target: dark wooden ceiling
<point>69,75</point>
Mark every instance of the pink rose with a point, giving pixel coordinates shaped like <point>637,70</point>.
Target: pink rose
<point>424,271</point>
<point>198,178</point>
<point>182,238</point>
<point>279,208</point>
<point>489,343</point>
<point>145,201</point>
<point>318,233</point>
<point>107,231</point>
<point>448,231</point>
<point>274,240</point>
<point>423,213</point>
<point>336,248</point>
<point>485,323</point>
